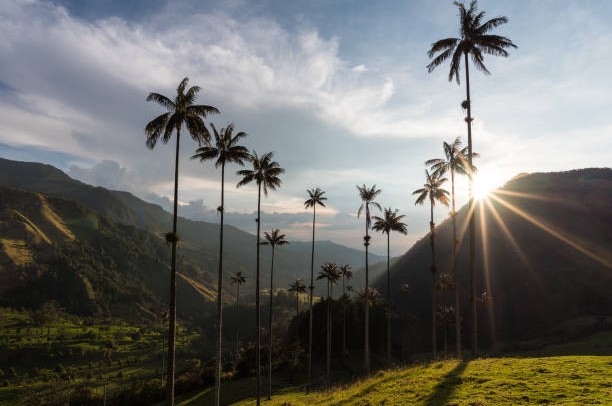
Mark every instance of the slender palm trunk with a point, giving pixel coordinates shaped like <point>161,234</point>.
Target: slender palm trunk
<point>311,287</point>
<point>445,340</point>
<point>389,305</point>
<point>270,327</point>
<point>343,319</point>
<point>172,305</point>
<point>238,324</point>
<point>432,241</point>
<point>329,333</point>
<point>366,319</point>
<point>472,230</point>
<point>257,304</point>
<point>219,297</point>
<point>297,304</point>
<point>455,277</point>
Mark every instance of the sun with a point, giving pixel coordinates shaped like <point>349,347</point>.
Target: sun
<point>484,184</point>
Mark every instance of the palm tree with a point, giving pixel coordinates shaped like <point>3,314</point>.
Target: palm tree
<point>237,279</point>
<point>367,196</point>
<point>455,161</point>
<point>432,190</point>
<point>266,174</point>
<point>315,197</point>
<point>390,222</point>
<point>347,274</point>
<point>372,294</point>
<point>298,286</point>
<point>329,271</point>
<point>180,112</point>
<point>475,40</point>
<point>225,150</point>
<point>446,316</point>
<point>273,238</point>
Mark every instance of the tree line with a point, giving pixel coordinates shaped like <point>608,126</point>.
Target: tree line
<point>224,148</point>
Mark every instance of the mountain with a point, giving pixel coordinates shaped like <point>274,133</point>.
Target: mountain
<point>544,257</point>
<point>120,211</point>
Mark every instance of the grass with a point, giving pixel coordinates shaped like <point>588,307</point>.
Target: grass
<point>528,378</point>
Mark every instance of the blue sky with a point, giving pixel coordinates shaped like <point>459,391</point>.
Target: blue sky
<point>337,89</point>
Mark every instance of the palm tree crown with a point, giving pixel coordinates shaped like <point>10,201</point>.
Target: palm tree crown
<point>274,238</point>
<point>265,172</point>
<point>455,160</point>
<point>474,40</point>
<point>181,111</point>
<point>315,197</point>
<point>238,278</point>
<point>433,190</point>
<point>329,271</point>
<point>225,148</point>
<point>346,272</point>
<point>367,196</point>
<point>298,286</point>
<point>390,222</point>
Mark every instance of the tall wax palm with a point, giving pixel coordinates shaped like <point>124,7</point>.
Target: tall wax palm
<point>297,286</point>
<point>237,279</point>
<point>273,238</point>
<point>315,198</point>
<point>367,195</point>
<point>455,160</point>
<point>226,149</point>
<point>390,222</point>
<point>181,112</point>
<point>330,272</point>
<point>432,190</point>
<point>266,174</point>
<point>347,274</point>
<point>475,40</point>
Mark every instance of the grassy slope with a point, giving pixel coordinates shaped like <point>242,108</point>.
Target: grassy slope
<point>522,379</point>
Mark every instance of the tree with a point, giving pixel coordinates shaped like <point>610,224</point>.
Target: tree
<point>266,174</point>
<point>455,161</point>
<point>225,150</point>
<point>298,286</point>
<point>367,196</point>
<point>432,190</point>
<point>347,274</point>
<point>237,279</point>
<point>315,198</point>
<point>390,222</point>
<point>330,272</point>
<point>475,40</point>
<point>180,112</point>
<point>273,238</point>
<point>445,317</point>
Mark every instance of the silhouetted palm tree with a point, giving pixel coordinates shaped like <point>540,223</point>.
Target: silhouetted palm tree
<point>273,238</point>
<point>298,286</point>
<point>330,272</point>
<point>371,293</point>
<point>475,40</point>
<point>347,274</point>
<point>180,112</point>
<point>266,174</point>
<point>237,279</point>
<point>390,222</point>
<point>225,150</point>
<point>432,190</point>
<point>446,316</point>
<point>315,197</point>
<point>367,196</point>
<point>455,161</point>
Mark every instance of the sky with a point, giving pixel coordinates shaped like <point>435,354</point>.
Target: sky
<point>339,90</point>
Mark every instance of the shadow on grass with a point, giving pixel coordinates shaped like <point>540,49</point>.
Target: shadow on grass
<point>445,389</point>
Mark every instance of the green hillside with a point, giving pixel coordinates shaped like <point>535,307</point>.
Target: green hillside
<point>544,258</point>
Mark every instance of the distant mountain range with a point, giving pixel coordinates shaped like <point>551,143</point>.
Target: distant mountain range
<point>544,257</point>
<point>102,251</point>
